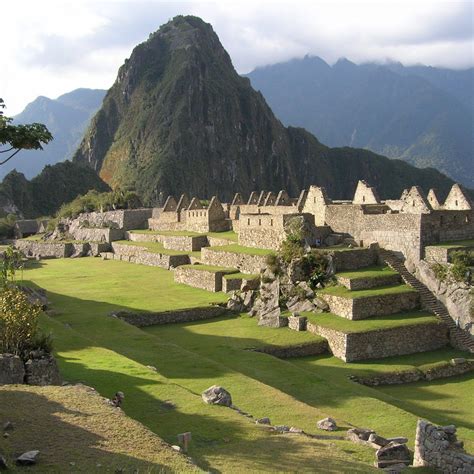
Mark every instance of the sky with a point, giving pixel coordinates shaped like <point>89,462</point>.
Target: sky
<point>50,47</point>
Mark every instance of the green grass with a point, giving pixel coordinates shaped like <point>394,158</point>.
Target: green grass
<point>210,268</point>
<point>111,355</point>
<point>344,292</point>
<point>454,244</point>
<point>242,276</point>
<point>368,272</point>
<point>338,323</point>
<point>227,235</point>
<point>235,248</point>
<point>157,247</point>
<point>34,237</point>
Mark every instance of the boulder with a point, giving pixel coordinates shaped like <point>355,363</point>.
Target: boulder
<point>320,303</point>
<point>302,306</point>
<point>235,304</point>
<point>248,298</point>
<point>327,424</point>
<point>309,293</point>
<point>263,421</point>
<point>399,439</point>
<point>282,428</point>
<point>43,371</point>
<point>392,453</point>
<point>296,270</point>
<point>216,395</point>
<point>359,435</point>
<point>296,430</point>
<point>8,426</point>
<point>27,459</point>
<point>377,441</point>
<point>12,370</point>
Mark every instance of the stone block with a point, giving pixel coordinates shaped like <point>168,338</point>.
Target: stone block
<point>12,370</point>
<point>43,371</point>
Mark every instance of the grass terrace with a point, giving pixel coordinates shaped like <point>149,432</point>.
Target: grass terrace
<point>235,248</point>
<point>344,292</point>
<point>211,269</point>
<point>455,244</point>
<point>368,272</point>
<point>157,247</point>
<point>332,321</point>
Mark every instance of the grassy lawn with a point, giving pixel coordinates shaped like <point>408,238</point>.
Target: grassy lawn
<point>112,355</point>
<point>455,243</point>
<point>210,268</point>
<point>368,272</point>
<point>338,323</point>
<point>235,248</point>
<point>157,247</point>
<point>227,235</point>
<point>344,292</point>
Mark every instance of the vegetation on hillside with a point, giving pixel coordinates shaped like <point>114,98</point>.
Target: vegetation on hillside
<point>180,119</point>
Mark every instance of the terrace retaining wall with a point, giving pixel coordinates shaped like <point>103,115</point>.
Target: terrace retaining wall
<point>170,317</point>
<point>207,280</point>
<point>244,262</point>
<point>382,343</point>
<point>345,260</point>
<point>438,447</point>
<point>300,350</point>
<point>366,283</point>
<point>141,255</point>
<point>368,306</point>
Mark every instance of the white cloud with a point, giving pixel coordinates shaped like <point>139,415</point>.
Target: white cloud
<point>51,46</point>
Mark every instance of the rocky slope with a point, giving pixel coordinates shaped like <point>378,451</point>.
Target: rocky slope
<point>179,118</point>
<point>419,114</point>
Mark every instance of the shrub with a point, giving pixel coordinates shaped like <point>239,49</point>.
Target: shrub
<point>273,263</point>
<point>18,321</point>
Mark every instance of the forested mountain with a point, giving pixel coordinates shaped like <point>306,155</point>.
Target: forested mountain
<point>66,117</point>
<point>179,118</point>
<point>420,114</point>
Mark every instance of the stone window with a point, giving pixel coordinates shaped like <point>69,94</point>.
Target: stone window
<point>441,219</point>
<point>456,203</point>
<point>271,222</point>
<point>260,222</point>
<point>314,199</point>
<point>248,221</point>
<point>363,198</point>
<point>467,220</point>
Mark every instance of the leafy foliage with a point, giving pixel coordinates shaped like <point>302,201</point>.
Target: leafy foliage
<point>21,137</point>
<point>460,268</point>
<point>95,201</point>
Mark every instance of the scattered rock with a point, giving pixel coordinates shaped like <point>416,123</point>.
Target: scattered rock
<point>309,293</point>
<point>301,306</point>
<point>6,435</point>
<point>400,440</point>
<point>327,424</point>
<point>320,303</point>
<point>392,454</point>
<point>27,459</point>
<point>177,448</point>
<point>395,468</point>
<point>216,395</point>
<point>282,428</point>
<point>8,426</point>
<point>359,435</point>
<point>450,429</point>
<point>151,367</point>
<point>118,399</point>
<point>263,421</point>
<point>377,441</point>
<point>458,361</point>
<point>3,464</point>
<point>296,430</point>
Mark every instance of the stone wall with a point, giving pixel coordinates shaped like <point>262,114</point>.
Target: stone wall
<point>383,342</point>
<point>138,237</point>
<point>354,284</point>
<point>455,296</point>
<point>125,219</point>
<point>438,447</point>
<point>33,248</point>
<point>367,306</point>
<point>441,254</point>
<point>96,234</point>
<point>244,262</point>
<point>170,317</point>
<point>184,243</point>
<point>141,255</point>
<point>300,350</point>
<point>345,260</point>
<point>207,280</point>
<point>445,226</point>
<point>440,371</point>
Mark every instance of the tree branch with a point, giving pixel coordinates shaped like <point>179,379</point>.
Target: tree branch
<point>10,157</point>
<point>9,149</point>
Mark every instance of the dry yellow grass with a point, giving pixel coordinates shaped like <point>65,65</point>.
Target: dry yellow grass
<point>76,430</point>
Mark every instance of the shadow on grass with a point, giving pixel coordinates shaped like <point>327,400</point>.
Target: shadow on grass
<point>38,425</point>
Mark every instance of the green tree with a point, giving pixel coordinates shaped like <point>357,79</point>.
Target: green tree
<point>21,137</point>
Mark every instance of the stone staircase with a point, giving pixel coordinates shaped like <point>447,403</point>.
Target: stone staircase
<point>459,338</point>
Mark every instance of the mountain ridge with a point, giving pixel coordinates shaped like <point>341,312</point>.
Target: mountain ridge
<point>180,119</point>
